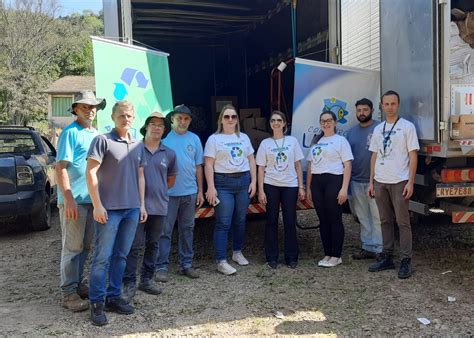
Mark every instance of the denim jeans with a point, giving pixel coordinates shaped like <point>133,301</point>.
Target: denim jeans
<point>231,212</point>
<point>148,232</point>
<point>182,208</point>
<point>113,241</point>
<point>367,212</point>
<point>287,197</point>
<point>76,242</point>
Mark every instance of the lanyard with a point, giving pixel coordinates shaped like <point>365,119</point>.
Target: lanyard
<point>386,138</point>
<point>282,145</point>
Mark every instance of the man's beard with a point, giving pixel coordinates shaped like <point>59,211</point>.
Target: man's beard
<point>363,118</point>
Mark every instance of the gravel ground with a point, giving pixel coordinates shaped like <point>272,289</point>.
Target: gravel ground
<point>346,300</point>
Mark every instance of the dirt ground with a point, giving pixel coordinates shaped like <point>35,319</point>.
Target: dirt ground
<point>346,300</point>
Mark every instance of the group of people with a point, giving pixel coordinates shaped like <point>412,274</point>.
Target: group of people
<point>125,193</point>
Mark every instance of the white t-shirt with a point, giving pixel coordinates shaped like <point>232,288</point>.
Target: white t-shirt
<point>279,157</point>
<point>329,154</point>
<point>391,165</point>
<point>229,151</point>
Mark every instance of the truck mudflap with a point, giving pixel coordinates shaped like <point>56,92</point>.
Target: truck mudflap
<point>254,208</point>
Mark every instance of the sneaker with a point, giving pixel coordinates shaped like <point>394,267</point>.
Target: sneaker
<point>98,316</point>
<point>331,263</point>
<point>405,268</point>
<point>239,258</point>
<point>385,263</point>
<point>323,261</point>
<point>75,303</point>
<point>292,265</point>
<point>190,272</point>
<point>128,292</point>
<point>364,254</point>
<point>149,287</point>
<point>83,290</point>
<point>225,268</point>
<point>272,264</point>
<point>118,305</point>
<point>162,276</point>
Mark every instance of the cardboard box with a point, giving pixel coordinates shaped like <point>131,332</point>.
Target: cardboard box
<point>249,112</point>
<point>257,136</point>
<point>259,123</point>
<point>462,126</point>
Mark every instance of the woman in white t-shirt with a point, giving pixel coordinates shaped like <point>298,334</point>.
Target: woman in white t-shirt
<point>328,175</point>
<point>280,180</point>
<point>230,170</point>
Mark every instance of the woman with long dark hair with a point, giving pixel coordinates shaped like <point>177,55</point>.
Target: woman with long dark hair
<point>280,180</point>
<point>327,181</point>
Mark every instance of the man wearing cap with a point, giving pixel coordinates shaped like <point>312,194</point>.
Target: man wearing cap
<point>184,196</point>
<point>74,202</point>
<point>160,174</point>
<point>116,182</point>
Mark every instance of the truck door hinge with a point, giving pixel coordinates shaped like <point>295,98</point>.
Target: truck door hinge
<point>442,125</point>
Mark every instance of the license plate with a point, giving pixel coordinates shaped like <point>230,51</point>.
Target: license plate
<point>454,190</point>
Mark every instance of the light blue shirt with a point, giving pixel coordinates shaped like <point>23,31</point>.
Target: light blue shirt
<point>189,154</point>
<point>73,145</point>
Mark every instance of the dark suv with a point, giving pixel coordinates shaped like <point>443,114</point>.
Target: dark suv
<point>27,179</point>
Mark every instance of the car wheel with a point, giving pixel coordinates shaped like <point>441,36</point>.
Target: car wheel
<point>42,219</point>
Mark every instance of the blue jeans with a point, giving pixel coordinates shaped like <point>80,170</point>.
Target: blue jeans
<point>182,208</point>
<point>76,242</point>
<point>113,241</point>
<point>148,233</point>
<point>367,212</point>
<point>231,212</point>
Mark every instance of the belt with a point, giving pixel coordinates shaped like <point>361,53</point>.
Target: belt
<point>239,174</point>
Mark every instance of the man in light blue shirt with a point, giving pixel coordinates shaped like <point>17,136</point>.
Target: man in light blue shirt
<point>74,202</point>
<point>185,195</point>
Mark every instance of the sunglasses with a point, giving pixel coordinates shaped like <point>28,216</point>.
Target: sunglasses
<point>276,120</point>
<point>230,117</point>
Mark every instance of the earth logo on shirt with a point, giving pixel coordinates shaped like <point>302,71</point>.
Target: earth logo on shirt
<point>236,158</point>
<point>281,161</point>
<point>316,152</point>
<point>190,148</point>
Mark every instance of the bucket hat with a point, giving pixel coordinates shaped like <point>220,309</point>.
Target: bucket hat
<point>87,97</point>
<point>182,109</point>
<point>160,116</point>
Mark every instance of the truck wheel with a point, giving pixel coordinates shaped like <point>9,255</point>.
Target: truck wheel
<point>42,219</point>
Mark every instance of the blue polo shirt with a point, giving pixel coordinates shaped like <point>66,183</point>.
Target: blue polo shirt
<point>160,165</point>
<point>189,154</point>
<point>118,172</point>
<point>73,145</point>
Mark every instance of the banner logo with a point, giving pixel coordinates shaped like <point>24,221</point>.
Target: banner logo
<point>338,107</point>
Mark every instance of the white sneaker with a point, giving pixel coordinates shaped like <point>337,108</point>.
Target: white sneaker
<point>328,264</point>
<point>225,268</point>
<point>239,258</point>
<point>323,261</point>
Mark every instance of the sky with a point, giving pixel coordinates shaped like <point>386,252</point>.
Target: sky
<point>77,6</point>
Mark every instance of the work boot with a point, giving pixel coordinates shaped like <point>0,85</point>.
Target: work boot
<point>128,292</point>
<point>98,316</point>
<point>149,287</point>
<point>239,258</point>
<point>190,272</point>
<point>385,263</point>
<point>363,254</point>
<point>74,303</point>
<point>162,276</point>
<point>118,305</point>
<point>83,290</point>
<point>405,268</point>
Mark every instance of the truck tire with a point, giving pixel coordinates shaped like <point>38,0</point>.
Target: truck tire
<point>42,219</point>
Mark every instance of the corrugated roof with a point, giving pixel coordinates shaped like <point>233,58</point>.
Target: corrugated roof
<point>71,84</point>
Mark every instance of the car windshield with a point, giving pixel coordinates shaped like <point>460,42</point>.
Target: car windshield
<point>17,144</point>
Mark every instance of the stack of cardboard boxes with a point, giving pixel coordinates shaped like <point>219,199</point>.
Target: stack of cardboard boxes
<point>254,125</point>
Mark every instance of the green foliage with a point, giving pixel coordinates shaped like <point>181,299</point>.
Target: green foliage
<point>36,48</point>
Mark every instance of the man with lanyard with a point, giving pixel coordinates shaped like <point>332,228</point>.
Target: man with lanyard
<point>394,147</point>
<point>74,202</point>
<point>364,207</point>
<point>184,196</point>
<point>116,182</point>
<point>160,174</point>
